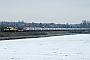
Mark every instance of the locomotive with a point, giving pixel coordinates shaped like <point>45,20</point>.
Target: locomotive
<point>10,29</point>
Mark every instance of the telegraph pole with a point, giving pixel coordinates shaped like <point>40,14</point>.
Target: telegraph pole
<point>15,26</point>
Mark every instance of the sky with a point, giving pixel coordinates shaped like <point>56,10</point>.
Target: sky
<point>45,11</point>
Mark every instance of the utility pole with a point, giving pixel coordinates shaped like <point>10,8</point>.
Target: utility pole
<point>15,26</point>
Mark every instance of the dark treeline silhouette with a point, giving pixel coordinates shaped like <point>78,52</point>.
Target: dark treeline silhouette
<point>21,24</point>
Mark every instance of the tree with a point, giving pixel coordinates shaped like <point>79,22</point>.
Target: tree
<point>1,28</point>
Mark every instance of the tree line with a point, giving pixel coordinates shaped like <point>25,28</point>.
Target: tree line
<point>21,24</point>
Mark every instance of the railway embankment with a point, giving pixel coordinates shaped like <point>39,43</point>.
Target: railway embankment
<point>20,35</point>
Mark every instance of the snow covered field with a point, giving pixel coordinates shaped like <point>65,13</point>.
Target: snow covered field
<point>69,47</point>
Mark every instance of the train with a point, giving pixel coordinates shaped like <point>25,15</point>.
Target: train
<point>51,29</point>
<point>27,29</point>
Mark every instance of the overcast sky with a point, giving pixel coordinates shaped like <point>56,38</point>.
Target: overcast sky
<point>56,11</point>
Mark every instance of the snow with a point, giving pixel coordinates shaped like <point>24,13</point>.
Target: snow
<point>68,47</point>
